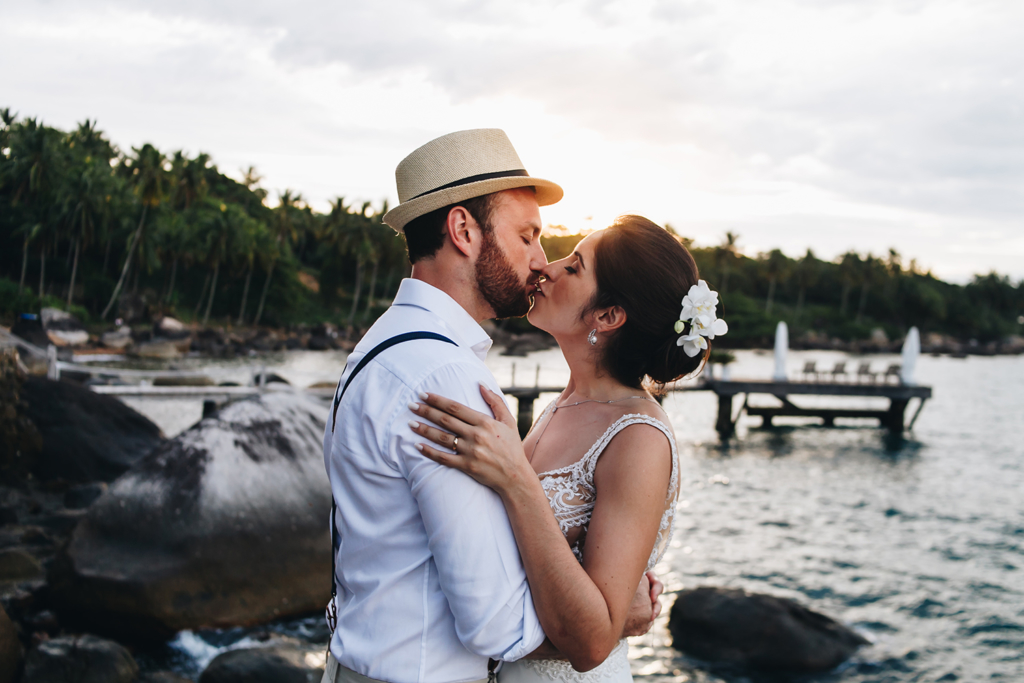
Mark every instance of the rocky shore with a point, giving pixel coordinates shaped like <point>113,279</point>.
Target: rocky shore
<point>107,550</point>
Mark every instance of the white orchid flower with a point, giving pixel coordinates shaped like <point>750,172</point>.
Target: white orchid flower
<point>718,327</point>
<point>692,343</point>
<point>700,304</point>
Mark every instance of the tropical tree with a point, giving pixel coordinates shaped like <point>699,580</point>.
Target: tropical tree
<point>147,174</point>
<point>725,255</point>
<point>284,228</point>
<point>34,175</point>
<point>776,266</point>
<point>807,271</point>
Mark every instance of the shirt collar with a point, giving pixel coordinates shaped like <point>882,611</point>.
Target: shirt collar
<point>467,331</point>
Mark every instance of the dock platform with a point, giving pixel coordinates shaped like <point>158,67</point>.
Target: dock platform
<point>893,418</point>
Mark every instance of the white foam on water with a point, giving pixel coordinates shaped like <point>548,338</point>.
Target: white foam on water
<point>202,652</point>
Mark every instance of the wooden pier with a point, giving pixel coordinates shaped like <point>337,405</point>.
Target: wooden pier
<point>893,418</point>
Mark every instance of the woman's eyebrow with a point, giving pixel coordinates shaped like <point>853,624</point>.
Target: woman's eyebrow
<point>577,255</point>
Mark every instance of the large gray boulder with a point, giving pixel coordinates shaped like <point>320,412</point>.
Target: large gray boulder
<point>86,436</point>
<point>226,524</point>
<point>79,659</point>
<point>756,631</point>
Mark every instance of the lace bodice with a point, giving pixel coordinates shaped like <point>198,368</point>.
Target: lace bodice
<point>572,493</point>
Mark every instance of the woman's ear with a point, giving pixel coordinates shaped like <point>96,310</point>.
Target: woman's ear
<point>610,319</point>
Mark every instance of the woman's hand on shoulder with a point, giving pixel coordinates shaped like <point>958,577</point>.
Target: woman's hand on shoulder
<point>487,448</point>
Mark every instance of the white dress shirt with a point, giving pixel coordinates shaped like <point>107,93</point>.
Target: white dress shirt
<point>430,582</point>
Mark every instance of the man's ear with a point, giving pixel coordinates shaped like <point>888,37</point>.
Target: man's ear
<point>463,231</point>
<point>610,319</point>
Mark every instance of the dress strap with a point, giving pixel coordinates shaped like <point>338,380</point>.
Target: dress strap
<point>589,461</point>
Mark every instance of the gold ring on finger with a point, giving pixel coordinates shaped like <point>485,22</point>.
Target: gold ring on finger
<point>455,444</point>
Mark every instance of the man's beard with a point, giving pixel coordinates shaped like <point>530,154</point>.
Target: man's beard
<point>498,283</point>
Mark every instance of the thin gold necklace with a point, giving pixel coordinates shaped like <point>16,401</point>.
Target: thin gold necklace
<point>554,410</point>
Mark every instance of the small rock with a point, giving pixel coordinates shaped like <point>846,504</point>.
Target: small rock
<point>163,350</point>
<point>82,496</point>
<point>62,328</point>
<point>45,621</point>
<point>163,677</point>
<point>761,632</point>
<point>8,514</point>
<point>79,659</point>
<point>170,328</point>
<point>18,565</point>
<point>62,523</point>
<point>117,339</point>
<point>11,651</point>
<point>321,343</point>
<point>274,664</point>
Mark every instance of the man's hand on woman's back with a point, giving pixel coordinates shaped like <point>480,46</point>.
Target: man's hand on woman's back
<point>646,606</point>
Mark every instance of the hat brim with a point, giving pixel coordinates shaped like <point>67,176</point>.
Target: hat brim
<point>547,193</point>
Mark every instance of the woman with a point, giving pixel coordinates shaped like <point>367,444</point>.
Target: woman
<point>602,456</point>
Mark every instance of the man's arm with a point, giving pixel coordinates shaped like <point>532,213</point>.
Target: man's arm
<point>469,535</point>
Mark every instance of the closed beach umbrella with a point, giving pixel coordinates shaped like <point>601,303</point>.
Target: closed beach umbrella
<point>911,350</point>
<point>781,348</point>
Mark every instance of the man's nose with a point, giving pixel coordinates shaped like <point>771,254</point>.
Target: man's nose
<point>538,259</point>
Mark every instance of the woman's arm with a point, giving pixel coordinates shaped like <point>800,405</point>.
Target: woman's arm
<point>582,609</point>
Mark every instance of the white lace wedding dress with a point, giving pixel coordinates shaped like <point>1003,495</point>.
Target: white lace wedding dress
<point>572,494</point>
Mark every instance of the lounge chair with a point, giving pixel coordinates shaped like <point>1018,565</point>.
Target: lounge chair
<point>894,371</point>
<point>838,370</point>
<point>810,369</point>
<point>864,373</point>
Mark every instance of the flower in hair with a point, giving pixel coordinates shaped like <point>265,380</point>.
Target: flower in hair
<point>700,313</point>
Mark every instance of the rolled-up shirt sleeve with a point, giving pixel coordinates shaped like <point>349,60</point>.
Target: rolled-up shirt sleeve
<point>469,535</point>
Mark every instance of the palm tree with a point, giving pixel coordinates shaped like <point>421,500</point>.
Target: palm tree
<point>807,276</point>
<point>868,274</point>
<point>86,195</point>
<point>777,266</point>
<point>725,254</point>
<point>284,229</point>
<point>34,175</point>
<point>146,173</point>
<point>849,274</point>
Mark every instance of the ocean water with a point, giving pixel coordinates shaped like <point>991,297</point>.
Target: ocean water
<point>917,543</point>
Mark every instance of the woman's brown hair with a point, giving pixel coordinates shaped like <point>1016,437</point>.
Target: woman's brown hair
<point>643,269</point>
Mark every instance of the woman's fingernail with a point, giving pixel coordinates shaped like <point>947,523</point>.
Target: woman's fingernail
<point>419,447</point>
<point>414,425</point>
<point>414,407</point>
<point>423,396</point>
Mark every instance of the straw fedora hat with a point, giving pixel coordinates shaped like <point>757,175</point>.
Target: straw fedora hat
<point>457,167</point>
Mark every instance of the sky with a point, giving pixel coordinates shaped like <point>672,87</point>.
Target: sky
<point>829,124</point>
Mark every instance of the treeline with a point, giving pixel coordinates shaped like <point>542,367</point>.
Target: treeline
<point>851,297</point>
<point>108,233</point>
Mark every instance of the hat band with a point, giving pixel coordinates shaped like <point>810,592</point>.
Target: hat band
<point>520,172</point>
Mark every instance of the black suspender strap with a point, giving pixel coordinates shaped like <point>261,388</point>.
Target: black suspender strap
<point>332,614</point>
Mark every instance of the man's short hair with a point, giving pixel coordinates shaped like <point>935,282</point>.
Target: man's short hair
<point>425,235</point>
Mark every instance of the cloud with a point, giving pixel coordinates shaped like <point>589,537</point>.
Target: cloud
<point>840,108</point>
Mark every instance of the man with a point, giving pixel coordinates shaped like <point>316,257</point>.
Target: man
<point>428,577</point>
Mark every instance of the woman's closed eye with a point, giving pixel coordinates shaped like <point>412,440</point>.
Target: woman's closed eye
<point>570,270</point>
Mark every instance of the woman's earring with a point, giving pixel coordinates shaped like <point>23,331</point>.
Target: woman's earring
<point>592,337</point>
